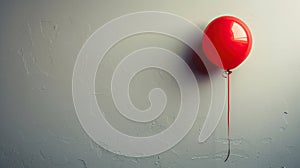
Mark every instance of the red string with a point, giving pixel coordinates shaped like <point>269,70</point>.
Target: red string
<point>228,112</point>
<point>228,103</point>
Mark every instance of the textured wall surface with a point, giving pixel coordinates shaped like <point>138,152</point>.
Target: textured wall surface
<point>39,43</point>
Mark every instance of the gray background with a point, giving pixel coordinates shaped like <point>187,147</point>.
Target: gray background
<point>38,124</point>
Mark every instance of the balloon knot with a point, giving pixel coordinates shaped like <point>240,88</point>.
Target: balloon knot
<point>228,71</point>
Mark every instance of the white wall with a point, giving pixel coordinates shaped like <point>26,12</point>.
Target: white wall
<point>40,41</point>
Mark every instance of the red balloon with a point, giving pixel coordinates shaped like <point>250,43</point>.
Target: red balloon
<point>227,42</point>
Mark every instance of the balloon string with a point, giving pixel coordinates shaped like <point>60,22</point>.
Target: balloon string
<point>228,114</point>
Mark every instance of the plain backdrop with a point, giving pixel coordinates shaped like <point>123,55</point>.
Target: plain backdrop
<point>39,44</point>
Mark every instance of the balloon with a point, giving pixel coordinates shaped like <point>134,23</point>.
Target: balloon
<point>226,42</point>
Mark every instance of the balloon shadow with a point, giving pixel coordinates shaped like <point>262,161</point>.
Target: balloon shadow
<point>196,61</point>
